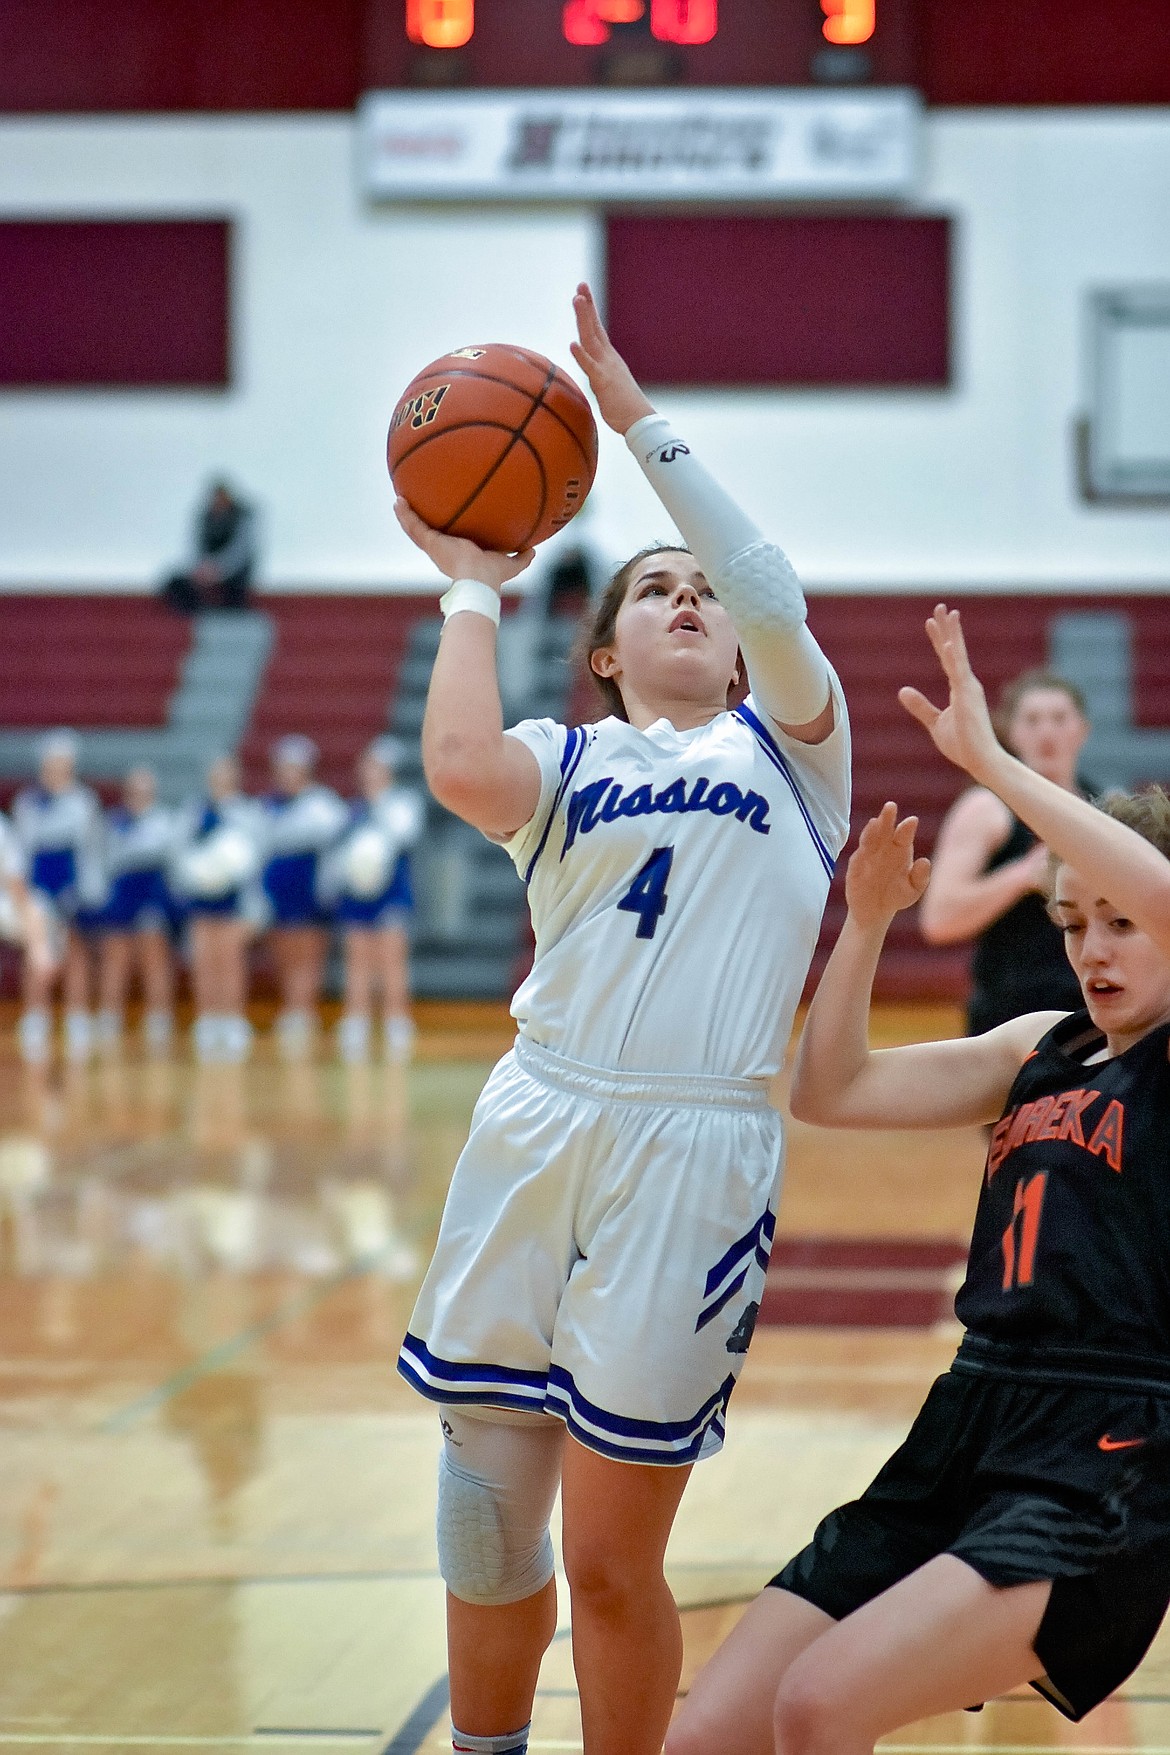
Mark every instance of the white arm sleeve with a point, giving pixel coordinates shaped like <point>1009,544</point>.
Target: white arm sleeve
<point>753,579</point>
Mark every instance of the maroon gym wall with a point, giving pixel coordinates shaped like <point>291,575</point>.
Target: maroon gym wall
<point>993,52</point>
<point>840,300</point>
<point>115,304</point>
<point>85,56</point>
<point>111,55</point>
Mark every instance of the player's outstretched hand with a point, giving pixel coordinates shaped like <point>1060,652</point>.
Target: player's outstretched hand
<point>619,397</point>
<point>962,730</point>
<point>883,875</point>
<point>456,556</point>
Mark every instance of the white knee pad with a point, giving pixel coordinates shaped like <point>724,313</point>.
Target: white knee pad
<point>497,1484</point>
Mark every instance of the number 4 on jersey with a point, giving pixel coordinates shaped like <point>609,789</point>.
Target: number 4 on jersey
<point>646,896</point>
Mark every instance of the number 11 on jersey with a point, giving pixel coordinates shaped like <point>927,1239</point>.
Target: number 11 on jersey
<point>646,896</point>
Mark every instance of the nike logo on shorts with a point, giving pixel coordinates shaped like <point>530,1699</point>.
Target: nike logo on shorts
<point>1107,1443</point>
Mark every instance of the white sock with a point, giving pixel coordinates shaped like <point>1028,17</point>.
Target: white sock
<point>159,1029</point>
<point>511,1743</point>
<point>108,1027</point>
<point>78,1034</point>
<point>294,1032</point>
<point>208,1035</point>
<point>33,1034</point>
<point>235,1036</point>
<point>400,1035</point>
<point>353,1036</point>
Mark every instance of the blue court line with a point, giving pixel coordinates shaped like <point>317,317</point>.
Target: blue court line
<point>413,1734</point>
<point>236,1344</point>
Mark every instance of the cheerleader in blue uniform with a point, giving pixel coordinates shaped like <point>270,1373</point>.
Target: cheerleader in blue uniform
<point>216,865</point>
<point>369,879</point>
<point>302,821</point>
<point>138,914</point>
<point>58,824</point>
<point>24,920</point>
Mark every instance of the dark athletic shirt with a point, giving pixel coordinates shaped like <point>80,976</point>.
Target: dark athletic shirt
<point>1069,1268</point>
<point>1019,963</point>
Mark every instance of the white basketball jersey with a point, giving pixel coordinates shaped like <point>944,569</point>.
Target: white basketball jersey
<point>677,881</point>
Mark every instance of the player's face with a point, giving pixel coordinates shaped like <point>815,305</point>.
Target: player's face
<point>289,778</point>
<point>1047,732</point>
<point>1123,975</point>
<point>673,640</point>
<point>138,791</point>
<point>57,772</point>
<point>223,778</point>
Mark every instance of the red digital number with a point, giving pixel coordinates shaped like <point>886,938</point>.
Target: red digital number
<point>848,21</point>
<point>684,21</point>
<point>440,24</point>
<point>588,21</point>
<point>671,21</point>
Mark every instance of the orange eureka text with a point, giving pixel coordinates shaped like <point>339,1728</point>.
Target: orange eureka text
<point>1059,1118</point>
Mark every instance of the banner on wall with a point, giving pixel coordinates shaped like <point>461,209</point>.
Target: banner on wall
<point>747,145</point>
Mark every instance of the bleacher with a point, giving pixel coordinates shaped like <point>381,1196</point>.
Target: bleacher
<point>877,644</point>
<point>331,675</point>
<point>142,684</point>
<point>108,662</point>
<point>139,684</point>
<point>71,660</point>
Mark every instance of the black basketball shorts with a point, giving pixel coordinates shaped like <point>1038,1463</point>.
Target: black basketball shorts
<point>1024,1483</point>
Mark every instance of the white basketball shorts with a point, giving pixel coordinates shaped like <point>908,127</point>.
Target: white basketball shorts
<point>602,1253</point>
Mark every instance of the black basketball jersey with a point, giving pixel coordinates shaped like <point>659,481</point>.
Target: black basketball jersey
<point>1019,963</point>
<point>1070,1257</point>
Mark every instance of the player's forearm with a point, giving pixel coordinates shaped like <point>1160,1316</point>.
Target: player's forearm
<point>1120,863</point>
<point>834,1047</point>
<point>752,578</point>
<point>714,528</point>
<point>463,727</point>
<point>788,674</point>
<point>956,910</point>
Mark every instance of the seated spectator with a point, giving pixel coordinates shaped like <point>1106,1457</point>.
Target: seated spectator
<point>223,561</point>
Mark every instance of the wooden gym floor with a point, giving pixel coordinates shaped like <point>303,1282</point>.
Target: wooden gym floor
<point>216,1496</point>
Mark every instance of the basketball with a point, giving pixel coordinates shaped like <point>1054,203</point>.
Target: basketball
<point>493,443</point>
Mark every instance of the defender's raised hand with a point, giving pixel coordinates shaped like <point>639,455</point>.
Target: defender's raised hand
<point>619,397</point>
<point>962,730</point>
<point>883,876</point>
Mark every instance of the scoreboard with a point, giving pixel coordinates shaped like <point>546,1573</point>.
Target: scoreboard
<point>448,24</point>
<point>537,44</point>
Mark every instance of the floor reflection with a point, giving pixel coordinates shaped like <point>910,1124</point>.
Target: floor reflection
<point>194,1169</point>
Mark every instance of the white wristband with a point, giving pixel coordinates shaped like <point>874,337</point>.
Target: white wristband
<point>471,594</point>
